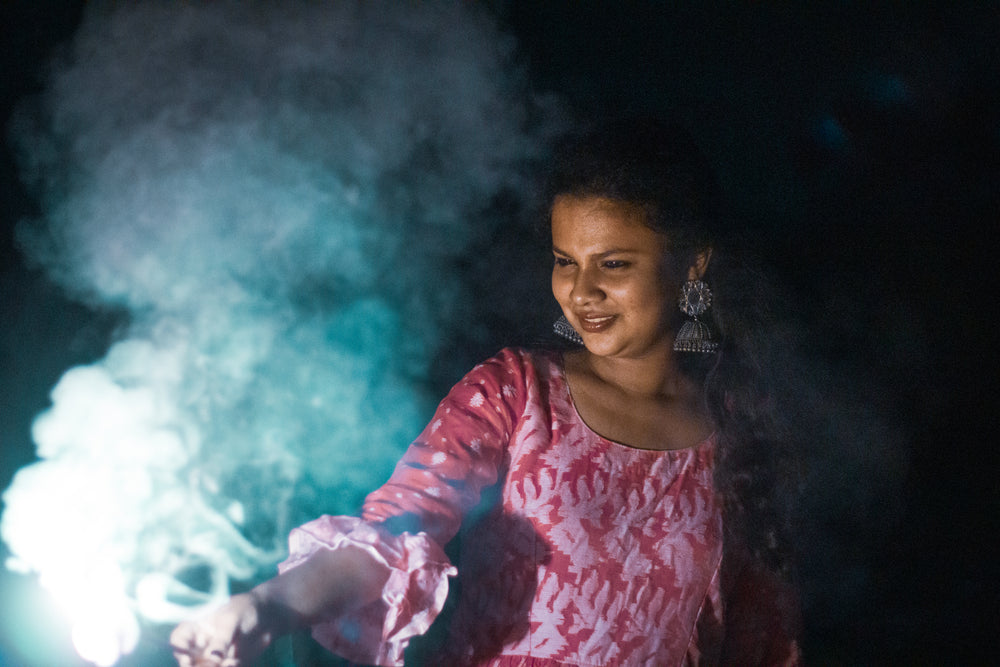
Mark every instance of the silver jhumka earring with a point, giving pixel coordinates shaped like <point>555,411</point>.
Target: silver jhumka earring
<point>694,336</point>
<point>563,328</point>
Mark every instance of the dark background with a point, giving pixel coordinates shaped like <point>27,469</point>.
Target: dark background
<point>861,142</point>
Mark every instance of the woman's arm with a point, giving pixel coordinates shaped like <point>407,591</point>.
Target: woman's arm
<point>397,544</point>
<point>329,583</point>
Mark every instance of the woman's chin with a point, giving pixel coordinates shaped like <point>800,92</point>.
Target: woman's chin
<point>601,345</point>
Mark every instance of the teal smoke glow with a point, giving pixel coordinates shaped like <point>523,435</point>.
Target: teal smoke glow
<point>275,197</point>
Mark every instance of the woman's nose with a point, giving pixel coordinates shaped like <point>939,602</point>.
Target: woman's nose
<point>585,287</point>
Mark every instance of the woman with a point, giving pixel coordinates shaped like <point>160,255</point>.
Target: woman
<point>613,464</point>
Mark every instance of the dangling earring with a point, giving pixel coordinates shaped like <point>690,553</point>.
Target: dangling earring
<point>563,328</point>
<point>694,336</point>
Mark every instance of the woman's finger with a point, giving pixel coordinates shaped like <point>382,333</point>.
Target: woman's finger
<point>199,644</point>
<point>187,657</point>
<point>184,641</point>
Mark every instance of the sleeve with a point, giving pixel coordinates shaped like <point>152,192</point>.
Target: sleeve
<point>405,523</point>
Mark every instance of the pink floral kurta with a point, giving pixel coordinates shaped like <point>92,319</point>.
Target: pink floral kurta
<point>595,553</point>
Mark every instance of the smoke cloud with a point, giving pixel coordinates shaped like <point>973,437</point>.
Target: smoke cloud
<point>277,195</point>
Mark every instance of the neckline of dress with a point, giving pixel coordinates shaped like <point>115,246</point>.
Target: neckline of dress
<point>560,366</point>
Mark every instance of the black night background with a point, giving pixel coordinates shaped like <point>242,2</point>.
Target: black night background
<point>860,142</point>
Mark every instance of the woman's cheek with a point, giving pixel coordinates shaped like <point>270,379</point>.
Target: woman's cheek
<point>560,286</point>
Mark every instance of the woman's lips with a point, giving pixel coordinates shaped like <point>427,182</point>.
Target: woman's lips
<point>595,323</point>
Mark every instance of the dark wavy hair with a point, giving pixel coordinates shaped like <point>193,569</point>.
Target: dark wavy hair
<point>657,165</point>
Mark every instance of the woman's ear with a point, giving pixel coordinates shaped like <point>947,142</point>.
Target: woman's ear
<point>700,265</point>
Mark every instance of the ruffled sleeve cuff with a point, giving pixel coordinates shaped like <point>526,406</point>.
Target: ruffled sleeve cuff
<point>378,633</point>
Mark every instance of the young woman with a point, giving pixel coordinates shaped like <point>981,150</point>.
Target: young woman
<point>634,519</point>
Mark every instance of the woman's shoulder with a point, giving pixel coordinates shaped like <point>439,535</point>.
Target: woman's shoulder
<point>507,383</point>
<point>512,371</point>
<point>519,361</point>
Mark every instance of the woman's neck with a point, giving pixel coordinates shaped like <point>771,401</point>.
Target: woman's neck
<point>655,375</point>
<point>645,403</point>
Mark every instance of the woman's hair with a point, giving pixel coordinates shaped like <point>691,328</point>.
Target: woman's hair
<point>658,166</point>
<point>647,162</point>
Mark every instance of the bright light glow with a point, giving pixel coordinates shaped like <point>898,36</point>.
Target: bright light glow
<point>276,197</point>
<point>104,627</point>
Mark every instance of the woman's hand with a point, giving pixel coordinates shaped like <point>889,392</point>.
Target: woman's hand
<point>231,636</point>
<point>327,584</point>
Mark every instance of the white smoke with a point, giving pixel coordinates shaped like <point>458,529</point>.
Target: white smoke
<point>277,195</point>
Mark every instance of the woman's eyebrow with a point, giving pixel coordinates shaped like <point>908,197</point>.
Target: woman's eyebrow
<point>604,253</point>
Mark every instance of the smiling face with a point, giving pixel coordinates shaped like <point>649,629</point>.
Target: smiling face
<point>611,276</point>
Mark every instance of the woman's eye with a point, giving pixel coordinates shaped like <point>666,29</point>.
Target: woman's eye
<point>615,264</point>
<point>563,261</point>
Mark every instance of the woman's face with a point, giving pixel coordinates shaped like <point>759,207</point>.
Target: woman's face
<point>611,276</point>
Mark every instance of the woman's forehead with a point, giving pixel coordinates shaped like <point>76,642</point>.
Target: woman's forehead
<point>596,210</point>
<point>597,222</point>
